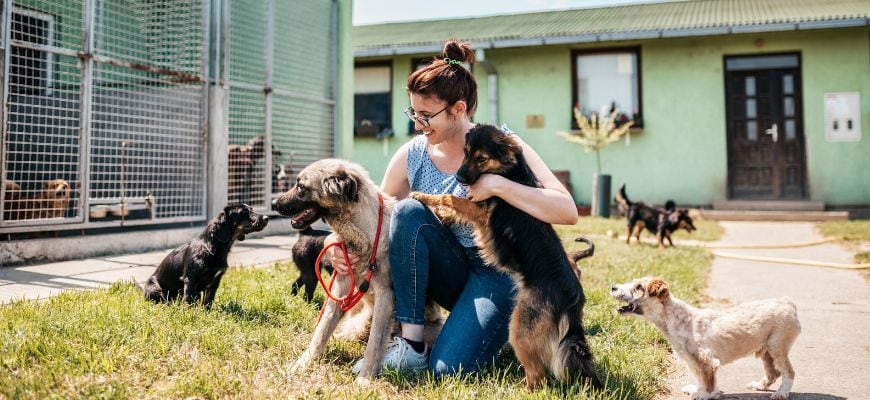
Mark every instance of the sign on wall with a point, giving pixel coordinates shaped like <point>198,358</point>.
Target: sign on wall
<point>843,117</point>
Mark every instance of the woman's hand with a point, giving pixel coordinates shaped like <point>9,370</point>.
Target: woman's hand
<point>336,256</point>
<point>487,185</point>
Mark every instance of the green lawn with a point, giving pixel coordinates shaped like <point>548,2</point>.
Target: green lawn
<point>850,231</point>
<point>113,344</point>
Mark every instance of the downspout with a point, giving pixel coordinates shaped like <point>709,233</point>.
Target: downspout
<point>492,85</point>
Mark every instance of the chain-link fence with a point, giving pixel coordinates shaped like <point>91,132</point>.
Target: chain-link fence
<point>105,106</point>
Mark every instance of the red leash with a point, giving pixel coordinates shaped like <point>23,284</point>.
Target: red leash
<point>356,294</point>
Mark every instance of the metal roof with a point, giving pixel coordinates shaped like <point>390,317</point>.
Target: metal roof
<point>629,22</point>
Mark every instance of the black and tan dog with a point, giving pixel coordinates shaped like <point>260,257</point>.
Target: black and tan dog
<point>661,222</point>
<point>343,194</point>
<point>305,251</point>
<point>194,269</point>
<point>546,329</point>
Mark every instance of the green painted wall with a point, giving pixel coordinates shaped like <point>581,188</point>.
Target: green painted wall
<point>681,151</point>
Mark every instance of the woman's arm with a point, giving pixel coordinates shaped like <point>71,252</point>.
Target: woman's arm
<point>551,204</point>
<point>395,182</point>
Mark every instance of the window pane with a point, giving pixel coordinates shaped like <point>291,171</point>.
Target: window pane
<point>790,132</point>
<point>371,79</point>
<point>788,106</point>
<point>603,79</point>
<point>750,86</point>
<point>787,84</point>
<point>372,106</point>
<point>751,130</point>
<point>750,108</point>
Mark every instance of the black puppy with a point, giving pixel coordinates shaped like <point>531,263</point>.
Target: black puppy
<point>197,267</point>
<point>658,221</point>
<point>305,253</point>
<point>546,328</point>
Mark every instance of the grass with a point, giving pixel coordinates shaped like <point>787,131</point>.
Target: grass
<point>853,233</point>
<point>707,230</point>
<point>111,343</point>
<point>848,230</point>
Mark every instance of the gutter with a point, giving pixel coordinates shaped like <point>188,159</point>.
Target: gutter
<point>435,47</point>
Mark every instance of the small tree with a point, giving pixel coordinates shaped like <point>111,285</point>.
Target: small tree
<point>597,132</point>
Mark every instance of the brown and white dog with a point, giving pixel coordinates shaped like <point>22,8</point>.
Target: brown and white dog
<point>343,194</point>
<point>51,201</point>
<point>706,339</point>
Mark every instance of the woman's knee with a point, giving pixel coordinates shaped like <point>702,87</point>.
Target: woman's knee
<point>408,216</point>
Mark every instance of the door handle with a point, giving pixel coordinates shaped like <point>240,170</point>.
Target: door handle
<point>773,132</point>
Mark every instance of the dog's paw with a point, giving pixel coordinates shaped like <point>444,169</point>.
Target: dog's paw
<point>702,395</point>
<point>300,365</point>
<point>689,389</point>
<point>779,396</point>
<point>758,385</point>
<point>418,196</point>
<point>362,381</point>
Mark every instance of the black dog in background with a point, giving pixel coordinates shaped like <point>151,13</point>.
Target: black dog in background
<point>305,253</point>
<point>658,221</point>
<point>195,268</point>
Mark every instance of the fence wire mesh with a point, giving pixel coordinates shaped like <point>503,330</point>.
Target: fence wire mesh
<point>105,101</point>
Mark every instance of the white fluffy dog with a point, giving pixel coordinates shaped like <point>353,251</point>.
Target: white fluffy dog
<point>706,339</point>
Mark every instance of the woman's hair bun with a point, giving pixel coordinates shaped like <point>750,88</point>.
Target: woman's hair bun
<point>456,50</point>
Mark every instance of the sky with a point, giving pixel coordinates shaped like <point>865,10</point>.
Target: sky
<point>367,12</point>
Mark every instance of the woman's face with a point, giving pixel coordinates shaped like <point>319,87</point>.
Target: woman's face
<point>442,122</point>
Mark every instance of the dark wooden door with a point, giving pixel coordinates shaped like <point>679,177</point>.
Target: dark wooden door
<point>766,150</point>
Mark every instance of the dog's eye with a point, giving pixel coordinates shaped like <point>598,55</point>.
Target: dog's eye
<point>638,287</point>
<point>482,159</point>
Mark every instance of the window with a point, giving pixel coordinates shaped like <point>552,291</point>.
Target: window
<point>372,100</point>
<point>608,78</point>
<point>30,71</point>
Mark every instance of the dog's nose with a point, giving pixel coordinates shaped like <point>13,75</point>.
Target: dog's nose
<point>274,204</point>
<point>265,218</point>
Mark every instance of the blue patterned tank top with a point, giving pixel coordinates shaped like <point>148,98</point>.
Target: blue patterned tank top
<point>426,178</point>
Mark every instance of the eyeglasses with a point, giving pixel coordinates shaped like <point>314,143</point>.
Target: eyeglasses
<point>423,120</point>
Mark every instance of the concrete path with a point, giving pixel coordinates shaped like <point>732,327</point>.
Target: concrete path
<point>832,353</point>
<point>45,280</point>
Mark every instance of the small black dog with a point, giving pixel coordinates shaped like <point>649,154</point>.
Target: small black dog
<point>658,221</point>
<point>546,328</point>
<point>197,267</point>
<point>305,252</point>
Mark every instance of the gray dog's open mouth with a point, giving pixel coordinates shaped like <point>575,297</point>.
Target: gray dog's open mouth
<point>303,219</point>
<point>630,308</point>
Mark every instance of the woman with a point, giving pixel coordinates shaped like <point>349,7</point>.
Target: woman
<point>429,259</point>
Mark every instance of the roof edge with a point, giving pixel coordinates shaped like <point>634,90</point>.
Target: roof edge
<point>435,47</point>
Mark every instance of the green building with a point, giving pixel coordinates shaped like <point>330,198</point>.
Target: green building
<point>733,100</point>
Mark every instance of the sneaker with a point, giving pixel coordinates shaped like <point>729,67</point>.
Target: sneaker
<point>399,356</point>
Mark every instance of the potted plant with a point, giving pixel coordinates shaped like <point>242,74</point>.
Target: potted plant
<point>595,133</point>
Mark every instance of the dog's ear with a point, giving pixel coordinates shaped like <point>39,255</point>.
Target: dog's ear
<point>342,185</point>
<point>222,230</point>
<point>657,287</point>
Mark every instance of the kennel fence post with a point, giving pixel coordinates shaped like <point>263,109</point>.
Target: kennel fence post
<point>267,90</point>
<point>4,113</point>
<point>85,102</point>
<point>219,111</point>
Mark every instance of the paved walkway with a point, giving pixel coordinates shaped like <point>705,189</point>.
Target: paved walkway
<point>832,353</point>
<point>44,280</point>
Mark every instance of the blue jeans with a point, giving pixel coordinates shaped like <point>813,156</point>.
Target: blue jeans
<point>426,259</point>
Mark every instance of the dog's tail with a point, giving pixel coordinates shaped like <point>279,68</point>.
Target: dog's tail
<point>670,206</point>
<point>581,254</point>
<point>573,360</point>
<point>622,199</point>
